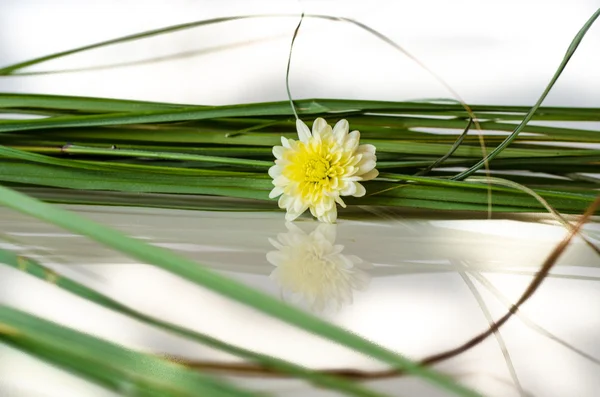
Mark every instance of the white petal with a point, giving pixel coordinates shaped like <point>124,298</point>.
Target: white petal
<point>365,156</point>
<point>275,171</point>
<point>284,201</point>
<point>366,166</point>
<point>340,130</point>
<point>285,142</point>
<point>303,131</point>
<point>319,125</point>
<point>330,216</point>
<point>370,175</point>
<point>319,209</point>
<point>275,257</point>
<point>278,152</point>
<point>339,200</point>
<point>276,192</point>
<point>298,205</point>
<point>281,181</point>
<point>360,190</point>
<point>349,188</point>
<point>275,243</point>
<point>291,215</point>
<point>323,206</point>
<point>351,142</point>
<point>366,148</point>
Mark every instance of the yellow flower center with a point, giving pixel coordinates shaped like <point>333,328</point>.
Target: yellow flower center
<point>316,169</point>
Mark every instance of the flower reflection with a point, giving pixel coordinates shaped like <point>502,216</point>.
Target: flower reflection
<point>312,271</point>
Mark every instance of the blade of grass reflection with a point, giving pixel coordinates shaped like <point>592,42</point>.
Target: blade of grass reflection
<point>528,321</point>
<point>501,344</point>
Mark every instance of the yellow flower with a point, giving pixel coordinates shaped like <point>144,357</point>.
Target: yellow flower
<point>312,271</point>
<point>314,172</point>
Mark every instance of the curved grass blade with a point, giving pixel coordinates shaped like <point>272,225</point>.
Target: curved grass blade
<point>35,269</point>
<point>501,344</point>
<point>570,51</point>
<point>105,363</point>
<point>200,275</point>
<point>455,146</point>
<point>530,323</point>
<point>528,293</point>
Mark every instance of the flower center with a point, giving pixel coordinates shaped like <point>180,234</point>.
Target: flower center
<point>316,169</point>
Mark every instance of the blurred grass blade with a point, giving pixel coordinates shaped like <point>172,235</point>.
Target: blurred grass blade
<point>200,275</point>
<point>8,70</point>
<point>107,364</point>
<point>37,270</point>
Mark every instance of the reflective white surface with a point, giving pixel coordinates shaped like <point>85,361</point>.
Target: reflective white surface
<point>418,301</point>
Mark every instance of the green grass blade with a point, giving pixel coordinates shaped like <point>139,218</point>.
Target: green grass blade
<point>570,51</point>
<point>82,104</point>
<point>200,275</point>
<point>8,70</point>
<point>107,364</point>
<point>35,269</point>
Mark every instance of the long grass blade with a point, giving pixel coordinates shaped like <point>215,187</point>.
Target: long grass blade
<point>239,292</point>
<point>35,269</point>
<point>570,51</point>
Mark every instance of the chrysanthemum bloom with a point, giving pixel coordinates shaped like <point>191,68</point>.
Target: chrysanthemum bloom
<point>312,270</point>
<point>314,172</point>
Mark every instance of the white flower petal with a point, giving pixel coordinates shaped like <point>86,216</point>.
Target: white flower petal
<point>340,130</point>
<point>366,166</point>
<point>276,192</point>
<point>329,216</point>
<point>349,188</point>
<point>370,175</point>
<point>284,200</point>
<point>319,125</point>
<point>366,148</point>
<point>339,200</point>
<point>278,151</point>
<point>354,178</point>
<point>351,142</point>
<point>281,181</point>
<point>275,243</point>
<point>275,258</point>
<point>299,205</point>
<point>285,142</point>
<point>275,171</point>
<point>303,131</point>
<point>360,190</point>
<point>319,209</point>
<point>291,215</point>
